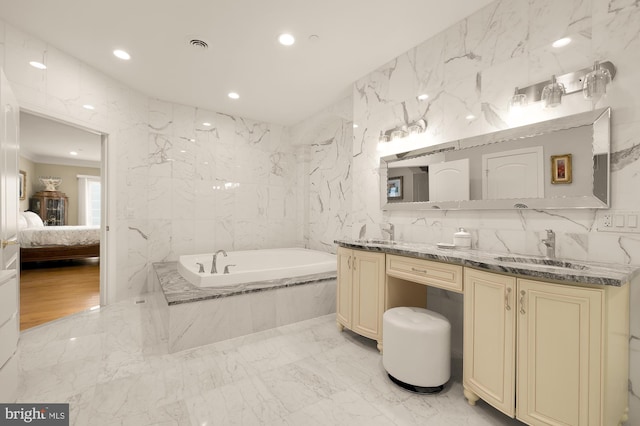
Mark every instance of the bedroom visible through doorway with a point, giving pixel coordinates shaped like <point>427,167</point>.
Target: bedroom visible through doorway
<point>60,219</point>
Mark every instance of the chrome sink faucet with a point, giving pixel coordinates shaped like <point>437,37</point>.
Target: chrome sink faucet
<point>391,231</point>
<point>214,269</point>
<point>550,243</point>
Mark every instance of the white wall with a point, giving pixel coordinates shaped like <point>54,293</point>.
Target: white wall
<point>473,67</point>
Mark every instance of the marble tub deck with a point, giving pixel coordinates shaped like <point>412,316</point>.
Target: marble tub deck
<point>194,316</point>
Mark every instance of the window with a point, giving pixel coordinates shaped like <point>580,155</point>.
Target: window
<point>89,200</point>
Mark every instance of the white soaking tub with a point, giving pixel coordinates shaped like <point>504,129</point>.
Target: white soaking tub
<point>255,265</point>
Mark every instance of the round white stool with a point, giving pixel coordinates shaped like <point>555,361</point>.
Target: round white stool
<point>417,344</point>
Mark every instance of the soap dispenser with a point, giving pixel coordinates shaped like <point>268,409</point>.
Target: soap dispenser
<point>462,239</point>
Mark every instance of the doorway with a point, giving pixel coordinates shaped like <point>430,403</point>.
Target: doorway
<point>60,268</point>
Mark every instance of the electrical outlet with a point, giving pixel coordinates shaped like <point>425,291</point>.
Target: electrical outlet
<point>620,221</point>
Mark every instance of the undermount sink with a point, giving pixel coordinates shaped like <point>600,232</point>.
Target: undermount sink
<point>377,241</point>
<point>538,261</point>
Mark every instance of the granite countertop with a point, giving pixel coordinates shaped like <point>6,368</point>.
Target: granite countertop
<point>178,290</point>
<point>574,271</point>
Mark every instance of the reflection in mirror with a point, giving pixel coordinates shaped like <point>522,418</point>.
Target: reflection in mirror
<point>561,163</point>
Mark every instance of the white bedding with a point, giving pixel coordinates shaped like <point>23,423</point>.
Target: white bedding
<point>59,236</point>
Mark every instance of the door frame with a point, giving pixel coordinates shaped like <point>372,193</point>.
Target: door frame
<point>108,184</point>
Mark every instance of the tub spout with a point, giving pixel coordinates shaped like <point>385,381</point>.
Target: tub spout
<point>214,269</point>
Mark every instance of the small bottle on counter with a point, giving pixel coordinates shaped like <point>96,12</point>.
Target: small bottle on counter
<point>462,239</point>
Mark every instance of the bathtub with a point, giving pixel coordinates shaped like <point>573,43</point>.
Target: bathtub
<point>255,265</point>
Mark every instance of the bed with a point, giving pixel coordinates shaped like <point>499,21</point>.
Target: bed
<point>40,243</point>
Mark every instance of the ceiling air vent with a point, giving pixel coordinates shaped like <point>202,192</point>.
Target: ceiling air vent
<point>198,44</point>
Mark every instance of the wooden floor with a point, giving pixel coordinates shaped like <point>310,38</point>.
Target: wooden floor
<point>52,290</point>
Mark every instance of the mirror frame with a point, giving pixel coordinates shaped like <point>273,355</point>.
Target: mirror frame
<point>600,120</point>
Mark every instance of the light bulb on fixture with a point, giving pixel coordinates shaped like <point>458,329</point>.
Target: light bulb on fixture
<point>552,93</point>
<point>518,101</point>
<point>596,82</point>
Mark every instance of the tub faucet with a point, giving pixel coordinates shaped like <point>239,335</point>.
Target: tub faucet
<point>391,230</point>
<point>550,243</point>
<point>214,269</point>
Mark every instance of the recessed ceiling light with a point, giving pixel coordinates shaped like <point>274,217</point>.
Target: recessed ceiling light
<point>470,117</point>
<point>191,140</point>
<point>122,54</point>
<point>423,97</point>
<point>355,126</point>
<point>233,95</point>
<point>73,153</point>
<point>286,39</point>
<point>206,123</point>
<point>182,151</point>
<point>561,42</point>
<point>89,107</point>
<point>38,65</point>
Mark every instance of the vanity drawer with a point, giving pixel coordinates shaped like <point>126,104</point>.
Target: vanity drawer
<point>427,272</point>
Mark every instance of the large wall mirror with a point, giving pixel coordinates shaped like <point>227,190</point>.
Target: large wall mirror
<point>556,164</point>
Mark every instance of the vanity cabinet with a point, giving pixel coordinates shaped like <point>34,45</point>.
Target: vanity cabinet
<point>565,346</point>
<point>360,292</point>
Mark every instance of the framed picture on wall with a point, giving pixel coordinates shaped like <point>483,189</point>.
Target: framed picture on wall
<point>561,168</point>
<point>394,188</point>
<point>22,188</point>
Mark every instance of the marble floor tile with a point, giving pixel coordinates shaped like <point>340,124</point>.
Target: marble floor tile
<point>113,367</point>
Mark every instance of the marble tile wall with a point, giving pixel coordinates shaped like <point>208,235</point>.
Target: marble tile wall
<point>324,149</point>
<point>180,187</point>
<point>472,68</point>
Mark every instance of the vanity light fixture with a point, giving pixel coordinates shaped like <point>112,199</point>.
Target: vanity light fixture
<point>470,117</point>
<point>233,95</point>
<point>415,128</point>
<point>355,126</point>
<point>206,124</point>
<point>74,153</point>
<point>592,82</point>
<point>119,53</point>
<point>422,97</point>
<point>89,107</point>
<point>38,65</point>
<point>517,101</point>
<point>595,83</point>
<point>552,93</point>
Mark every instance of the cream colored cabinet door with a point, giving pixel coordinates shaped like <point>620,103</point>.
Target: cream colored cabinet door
<point>360,294</point>
<point>489,339</point>
<point>560,343</point>
<point>368,294</point>
<point>344,292</point>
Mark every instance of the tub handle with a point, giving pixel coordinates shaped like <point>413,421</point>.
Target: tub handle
<point>226,269</point>
<point>201,269</point>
